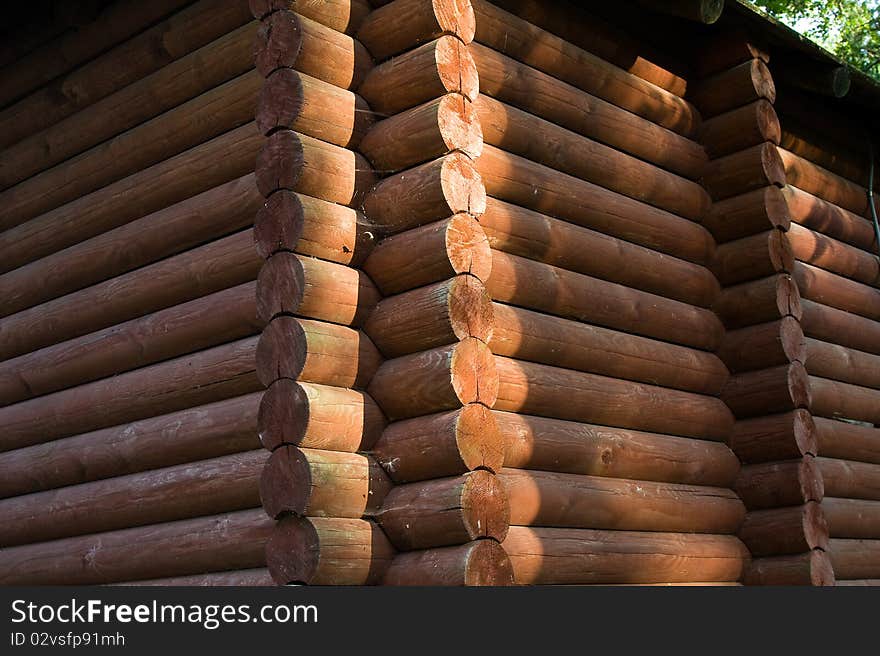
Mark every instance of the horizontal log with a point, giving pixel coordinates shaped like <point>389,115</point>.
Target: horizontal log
<point>318,417</point>
<point>778,484</point>
<point>833,399</point>
<point>539,498</point>
<point>443,378</point>
<point>534,186</point>
<point>477,563</point>
<point>255,577</point>
<point>431,316</point>
<point>180,81</point>
<point>341,15</point>
<point>763,345</point>
<point>130,61</point>
<point>584,298</point>
<point>842,364</point>
<point>775,437</point>
<point>824,287</point>
<point>767,391</point>
<point>203,377</point>
<point>541,141</point>
<point>781,531</point>
<point>404,24</point>
<point>577,556</point>
<point>821,182</point>
<point>291,284</point>
<point>289,40</point>
<point>836,256</point>
<point>315,352</point>
<point>426,193</point>
<point>293,222</point>
<point>445,511</point>
<point>743,171</point>
<point>175,280</point>
<point>855,559</point>
<point>756,256</point>
<point>430,71</point>
<point>563,394</point>
<point>846,440</point>
<point>538,443</point>
<point>153,189</point>
<point>810,568</point>
<point>517,38</point>
<point>296,101</point>
<point>859,582</point>
<point>545,339</point>
<point>327,551</point>
<point>741,128</point>
<point>735,87</point>
<point>849,479</point>
<point>206,487</point>
<point>837,326</point>
<point>423,133</point>
<point>812,212</point>
<point>444,444</point>
<point>700,11</point>
<point>536,92</point>
<point>429,254</point>
<point>316,483</point>
<point>191,546</point>
<point>748,214</point>
<point>852,518</point>
<point>759,301</point>
<point>833,81</point>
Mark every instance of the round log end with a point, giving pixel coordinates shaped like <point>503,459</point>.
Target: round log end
<point>821,570</point>
<point>710,10</point>
<point>763,80</point>
<point>283,414</point>
<point>805,432</point>
<point>810,480</point>
<point>791,335</point>
<point>484,505</point>
<point>840,81</point>
<point>280,285</point>
<point>459,125</point>
<point>788,297</point>
<point>774,168</point>
<point>279,162</point>
<point>776,205</point>
<point>278,225</point>
<point>474,376</point>
<point>286,483</point>
<point>278,42</point>
<point>470,308</point>
<point>281,351</point>
<point>261,8</point>
<point>799,385</point>
<point>280,101</point>
<point>292,551</point>
<point>468,247</point>
<point>487,564</point>
<point>462,185</point>
<point>479,440</point>
<point>456,68</point>
<point>815,526</point>
<point>768,122</point>
<point>456,17</point>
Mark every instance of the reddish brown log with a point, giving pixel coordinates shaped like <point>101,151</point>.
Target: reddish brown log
<point>206,487</point>
<point>562,394</point>
<point>315,352</point>
<point>778,484</point>
<point>859,582</point>
<point>841,439</point>
<point>746,170</point>
<point>842,364</point>
<point>763,345</point>
<point>527,184</point>
<point>814,179</point>
<point>445,511</point>
<point>539,498</point>
<point>426,193</point>
<point>759,301</point>
<point>315,483</point>
<point>424,133</point>
<point>576,296</point>
<point>430,71</point>
<point>768,391</point>
<point>445,444</point>
<point>257,577</point>
<point>747,214</point>
<point>431,316</point>
<point>543,95</point>
<point>783,531</point>
<point>855,559</point>
<point>838,292</point>
<point>576,556</point>
<point>232,541</point>
<point>293,222</point>
<point>430,253</point>
<point>318,417</point>
<point>443,378</point>
<point>835,256</point>
<point>405,24</point>
<point>833,399</point>
<point>775,437</point>
<point>852,518</point>
<point>542,338</point>
<point>477,563</point>
<point>836,326</point>
<point>810,568</point>
<point>812,212</point>
<point>753,257</point>
<point>740,129</point>
<point>327,551</point>
<point>850,479</point>
<point>735,87</point>
<point>341,15</point>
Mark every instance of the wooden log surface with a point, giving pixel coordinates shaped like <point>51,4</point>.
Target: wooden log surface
<point>748,214</point>
<point>821,182</point>
<point>782,436</point>
<point>763,345</point>
<point>741,128</point>
<point>744,171</point>
<point>477,563</point>
<point>254,577</point>
<point>759,301</point>
<point>849,479</point>
<point>842,364</point>
<point>832,255</point>
<point>841,439</point>
<point>700,11</point>
<point>810,568</point>
<point>735,87</point>
<point>852,518</point>
<point>779,484</point>
<point>824,287</point>
<point>833,399</point>
<point>343,16</point>
<point>839,327</point>
<point>768,391</point>
<point>855,559</point>
<point>781,531</point>
<point>756,256</point>
<point>817,214</point>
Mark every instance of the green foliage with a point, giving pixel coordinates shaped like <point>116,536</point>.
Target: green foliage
<point>848,28</point>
